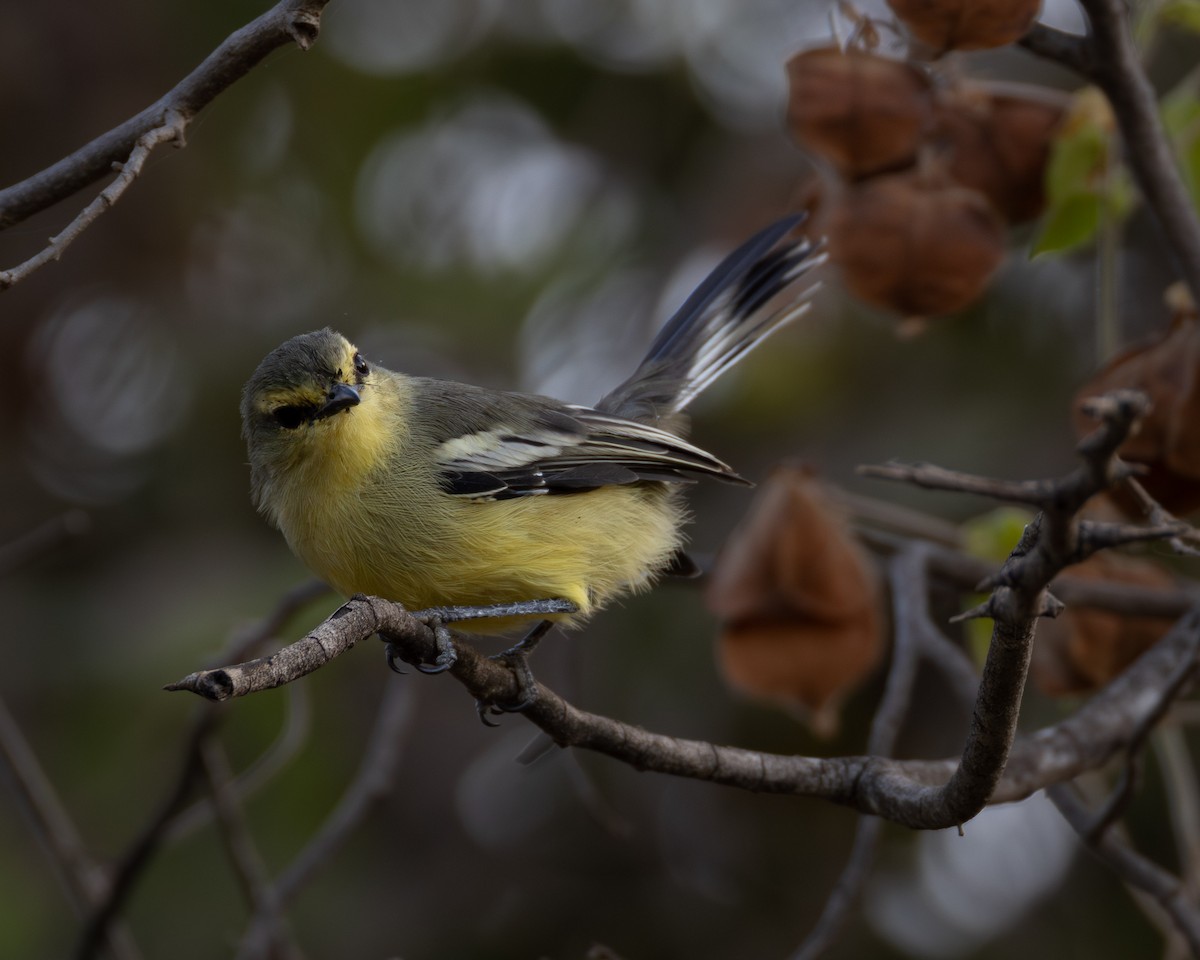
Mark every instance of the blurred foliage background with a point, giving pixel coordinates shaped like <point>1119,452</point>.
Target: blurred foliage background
<point>514,194</point>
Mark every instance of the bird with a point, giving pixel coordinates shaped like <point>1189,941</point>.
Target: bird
<point>497,510</point>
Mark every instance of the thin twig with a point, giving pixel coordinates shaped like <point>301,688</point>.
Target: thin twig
<point>158,831</point>
<point>245,642</point>
<point>43,539</point>
<point>84,881</point>
<point>293,735</point>
<point>129,869</point>
<point>1183,802</point>
<point>289,21</point>
<point>244,857</point>
<point>1115,806</point>
<point>1130,865</point>
<point>172,129</point>
<point>959,569</point>
<point>909,592</point>
<point>374,780</point>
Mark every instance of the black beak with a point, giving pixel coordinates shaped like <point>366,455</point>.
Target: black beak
<point>341,396</point>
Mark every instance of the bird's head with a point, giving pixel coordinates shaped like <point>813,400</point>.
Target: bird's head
<point>300,397</point>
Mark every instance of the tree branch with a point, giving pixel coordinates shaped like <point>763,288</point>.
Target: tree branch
<point>1109,58</point>
<point>85,882</point>
<point>126,146</point>
<point>1131,866</point>
<point>1069,49</point>
<point>909,591</point>
<point>376,775</point>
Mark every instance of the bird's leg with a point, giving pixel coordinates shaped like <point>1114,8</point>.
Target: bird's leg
<point>516,658</point>
<point>436,619</point>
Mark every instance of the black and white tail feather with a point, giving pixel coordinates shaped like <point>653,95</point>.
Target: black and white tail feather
<point>518,446</point>
<point>719,324</point>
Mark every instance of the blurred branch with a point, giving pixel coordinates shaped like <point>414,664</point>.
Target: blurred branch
<point>247,864</point>
<point>43,539</point>
<point>85,882</point>
<point>1108,57</point>
<point>967,572</point>
<point>375,778</point>
<point>244,642</point>
<point>1183,802</point>
<point>126,147</point>
<point>159,831</point>
<point>910,588</point>
<point>1131,866</point>
<point>131,866</point>
<point>279,753</point>
<point>1071,50</point>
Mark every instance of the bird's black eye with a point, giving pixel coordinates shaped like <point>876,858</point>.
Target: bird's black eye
<point>360,364</point>
<point>290,417</point>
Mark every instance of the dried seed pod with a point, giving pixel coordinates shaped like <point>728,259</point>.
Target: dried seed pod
<point>1083,649</point>
<point>967,24</point>
<point>1167,370</point>
<point>915,242</point>
<point>1000,145</point>
<point>861,112</point>
<point>798,600</point>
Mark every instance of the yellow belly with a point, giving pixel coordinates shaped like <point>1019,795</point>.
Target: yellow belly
<point>438,550</point>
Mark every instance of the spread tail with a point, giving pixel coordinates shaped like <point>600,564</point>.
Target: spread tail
<point>721,322</point>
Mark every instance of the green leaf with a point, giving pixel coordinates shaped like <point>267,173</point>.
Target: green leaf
<point>1181,13</point>
<point>1069,224</point>
<point>992,535</point>
<point>1077,159</point>
<point>1180,111</point>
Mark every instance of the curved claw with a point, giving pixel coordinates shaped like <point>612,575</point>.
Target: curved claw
<point>392,654</point>
<point>447,656</point>
<point>481,708</point>
<point>527,694</point>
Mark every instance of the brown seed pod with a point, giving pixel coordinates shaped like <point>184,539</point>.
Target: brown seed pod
<point>1167,370</point>
<point>1083,649</point>
<point>915,242</point>
<point>966,24</point>
<point>799,602</point>
<point>861,112</point>
<point>1000,145</point>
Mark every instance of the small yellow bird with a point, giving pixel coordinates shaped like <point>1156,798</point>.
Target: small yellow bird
<point>523,508</point>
